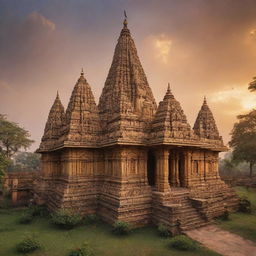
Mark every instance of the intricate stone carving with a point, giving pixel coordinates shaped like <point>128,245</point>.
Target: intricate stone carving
<point>128,161</point>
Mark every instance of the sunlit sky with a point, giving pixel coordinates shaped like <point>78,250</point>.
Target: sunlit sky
<point>202,47</point>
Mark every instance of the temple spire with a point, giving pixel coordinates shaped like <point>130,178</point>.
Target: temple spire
<point>53,127</point>
<point>170,122</point>
<point>205,126</point>
<point>82,119</point>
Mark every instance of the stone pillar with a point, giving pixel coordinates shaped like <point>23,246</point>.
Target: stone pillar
<point>172,169</point>
<point>162,170</point>
<point>177,180</point>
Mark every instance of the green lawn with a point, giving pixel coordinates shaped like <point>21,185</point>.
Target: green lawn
<point>241,223</point>
<point>57,242</point>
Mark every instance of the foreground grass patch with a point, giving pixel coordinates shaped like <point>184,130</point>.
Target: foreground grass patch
<point>241,223</point>
<point>58,242</point>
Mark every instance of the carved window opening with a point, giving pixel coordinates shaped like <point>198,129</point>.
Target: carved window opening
<point>151,168</point>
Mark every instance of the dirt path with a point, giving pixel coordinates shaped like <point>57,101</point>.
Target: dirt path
<point>223,242</point>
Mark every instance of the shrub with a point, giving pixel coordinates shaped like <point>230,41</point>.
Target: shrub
<point>29,244</point>
<point>26,218</point>
<point>91,219</point>
<point>163,230</point>
<point>37,210</point>
<point>66,219</point>
<point>225,215</point>
<point>85,250</point>
<point>183,243</point>
<point>121,228</point>
<point>245,205</point>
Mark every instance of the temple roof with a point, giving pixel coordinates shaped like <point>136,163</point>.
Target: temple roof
<point>205,126</point>
<point>170,120</point>
<point>126,85</point>
<point>82,118</point>
<point>56,120</point>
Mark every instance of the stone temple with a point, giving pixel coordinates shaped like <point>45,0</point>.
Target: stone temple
<point>129,159</point>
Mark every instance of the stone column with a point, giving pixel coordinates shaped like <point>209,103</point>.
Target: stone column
<point>187,167</point>
<point>172,169</point>
<point>162,169</point>
<point>177,180</point>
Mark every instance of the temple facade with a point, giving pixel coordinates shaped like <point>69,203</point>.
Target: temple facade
<point>129,159</point>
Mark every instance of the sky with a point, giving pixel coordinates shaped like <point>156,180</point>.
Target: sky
<point>202,47</point>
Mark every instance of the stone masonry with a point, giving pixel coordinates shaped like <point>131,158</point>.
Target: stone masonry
<point>129,159</point>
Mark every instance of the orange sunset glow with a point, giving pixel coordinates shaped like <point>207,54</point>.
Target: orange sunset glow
<point>203,48</point>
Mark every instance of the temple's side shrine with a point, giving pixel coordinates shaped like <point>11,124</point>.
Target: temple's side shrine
<point>129,159</point>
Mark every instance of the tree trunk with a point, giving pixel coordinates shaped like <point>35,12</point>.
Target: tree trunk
<point>251,165</point>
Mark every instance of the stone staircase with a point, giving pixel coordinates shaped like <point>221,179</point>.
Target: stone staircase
<point>188,215</point>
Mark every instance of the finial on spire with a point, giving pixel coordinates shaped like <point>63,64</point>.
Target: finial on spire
<point>205,102</point>
<point>169,88</point>
<point>125,20</point>
<point>82,72</point>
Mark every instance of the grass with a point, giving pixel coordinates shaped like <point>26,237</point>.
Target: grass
<point>57,242</point>
<point>241,223</point>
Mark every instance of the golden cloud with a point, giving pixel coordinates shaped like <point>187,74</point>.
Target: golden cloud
<point>37,18</point>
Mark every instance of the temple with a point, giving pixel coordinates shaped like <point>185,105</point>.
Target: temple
<point>129,159</point>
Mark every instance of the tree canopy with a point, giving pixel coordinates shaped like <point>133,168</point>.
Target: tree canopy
<point>12,137</point>
<point>4,162</point>
<point>243,139</point>
<point>252,85</point>
<point>25,161</point>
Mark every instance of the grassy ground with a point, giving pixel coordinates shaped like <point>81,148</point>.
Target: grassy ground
<point>142,242</point>
<point>241,223</point>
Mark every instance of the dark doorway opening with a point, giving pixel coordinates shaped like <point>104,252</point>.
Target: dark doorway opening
<point>151,166</point>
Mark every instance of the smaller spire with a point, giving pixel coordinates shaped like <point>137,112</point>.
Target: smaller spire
<point>82,72</point>
<point>125,20</point>
<point>57,95</point>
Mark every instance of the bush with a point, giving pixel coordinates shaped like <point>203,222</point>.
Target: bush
<point>85,250</point>
<point>26,218</point>
<point>91,219</point>
<point>121,228</point>
<point>163,230</point>
<point>183,243</point>
<point>225,215</point>
<point>37,210</point>
<point>66,219</point>
<point>245,205</point>
<point>29,244</point>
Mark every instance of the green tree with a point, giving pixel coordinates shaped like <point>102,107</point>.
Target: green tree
<point>252,85</point>
<point>4,162</point>
<point>243,139</point>
<point>12,137</point>
<point>25,161</point>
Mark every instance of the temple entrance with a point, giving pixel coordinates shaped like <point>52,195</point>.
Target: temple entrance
<point>176,169</point>
<point>151,168</point>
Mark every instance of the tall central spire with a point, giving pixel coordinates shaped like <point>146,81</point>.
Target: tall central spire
<point>126,90</point>
<point>126,93</point>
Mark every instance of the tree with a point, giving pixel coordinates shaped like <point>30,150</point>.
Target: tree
<point>4,162</point>
<point>243,139</point>
<point>12,137</point>
<point>25,161</point>
<point>252,85</point>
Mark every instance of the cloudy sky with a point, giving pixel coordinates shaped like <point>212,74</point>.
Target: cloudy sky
<point>202,47</point>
